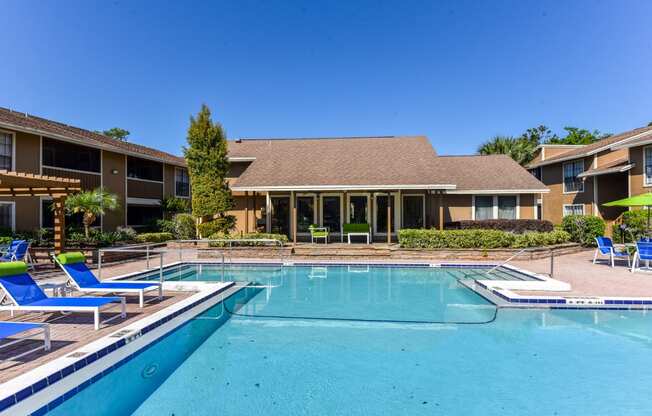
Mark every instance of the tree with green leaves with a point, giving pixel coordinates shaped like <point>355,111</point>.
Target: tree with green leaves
<point>575,135</point>
<point>521,149</point>
<point>208,166</point>
<point>117,133</point>
<point>91,204</point>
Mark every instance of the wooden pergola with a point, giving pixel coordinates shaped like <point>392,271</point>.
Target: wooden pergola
<point>18,184</point>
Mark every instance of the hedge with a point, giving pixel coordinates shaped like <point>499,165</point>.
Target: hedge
<point>250,236</point>
<point>218,225</point>
<point>154,237</point>
<point>479,239</point>
<point>583,229</point>
<point>635,224</point>
<point>514,226</point>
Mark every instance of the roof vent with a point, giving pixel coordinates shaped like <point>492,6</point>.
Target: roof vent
<point>238,140</point>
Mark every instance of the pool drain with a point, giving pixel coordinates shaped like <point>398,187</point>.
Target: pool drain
<point>149,371</point>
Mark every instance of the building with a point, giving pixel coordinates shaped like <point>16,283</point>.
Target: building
<point>582,178</point>
<point>140,176</point>
<point>332,181</point>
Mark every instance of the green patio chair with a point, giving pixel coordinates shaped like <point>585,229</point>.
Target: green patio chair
<point>318,232</point>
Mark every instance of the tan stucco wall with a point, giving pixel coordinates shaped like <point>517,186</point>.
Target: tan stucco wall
<point>28,158</point>
<point>527,206</point>
<point>608,156</point>
<point>553,202</point>
<point>636,177</point>
<point>116,185</point>
<point>254,213</point>
<point>168,180</point>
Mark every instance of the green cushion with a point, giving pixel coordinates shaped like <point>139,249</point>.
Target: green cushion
<point>320,233</point>
<point>12,268</point>
<point>72,257</point>
<point>356,228</point>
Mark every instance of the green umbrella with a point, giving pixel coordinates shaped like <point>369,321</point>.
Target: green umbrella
<point>643,200</point>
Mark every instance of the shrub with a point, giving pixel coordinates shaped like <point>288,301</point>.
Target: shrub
<point>251,236</point>
<point>635,226</point>
<point>480,239</point>
<point>583,228</point>
<point>154,237</point>
<point>184,226</point>
<point>125,234</point>
<point>164,226</point>
<point>219,225</point>
<point>514,226</point>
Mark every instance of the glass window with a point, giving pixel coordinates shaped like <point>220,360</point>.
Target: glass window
<point>507,207</point>
<point>64,155</point>
<point>305,213</point>
<point>571,182</point>
<point>358,209</point>
<point>6,216</point>
<point>413,215</point>
<point>381,214</point>
<point>648,165</point>
<point>143,215</point>
<point>484,207</point>
<point>144,169</point>
<point>182,182</point>
<point>331,215</point>
<point>574,209</point>
<point>280,215</point>
<point>6,150</point>
<point>536,172</point>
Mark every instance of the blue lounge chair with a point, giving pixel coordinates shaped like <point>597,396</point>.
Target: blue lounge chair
<point>18,250</point>
<point>82,279</point>
<point>643,253</point>
<point>23,294</point>
<point>606,248</point>
<point>11,329</point>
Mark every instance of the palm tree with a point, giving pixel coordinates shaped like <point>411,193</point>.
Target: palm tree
<point>518,148</point>
<point>91,204</point>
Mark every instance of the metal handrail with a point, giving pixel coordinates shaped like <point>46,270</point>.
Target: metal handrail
<point>552,261</point>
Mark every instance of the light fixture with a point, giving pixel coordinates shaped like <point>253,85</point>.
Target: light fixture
<point>114,171</point>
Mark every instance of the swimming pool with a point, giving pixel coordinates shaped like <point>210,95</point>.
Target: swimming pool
<point>380,340</point>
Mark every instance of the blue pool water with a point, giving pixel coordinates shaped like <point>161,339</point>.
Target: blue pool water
<point>350,343</point>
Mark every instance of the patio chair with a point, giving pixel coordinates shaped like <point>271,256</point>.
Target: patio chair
<point>359,229</point>
<point>21,293</point>
<point>318,232</point>
<point>18,250</point>
<point>82,278</point>
<point>643,253</point>
<point>606,248</point>
<point>11,329</point>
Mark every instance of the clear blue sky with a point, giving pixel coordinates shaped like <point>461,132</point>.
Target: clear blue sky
<point>458,72</point>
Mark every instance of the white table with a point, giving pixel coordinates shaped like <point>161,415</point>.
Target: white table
<point>357,234</point>
<point>58,289</point>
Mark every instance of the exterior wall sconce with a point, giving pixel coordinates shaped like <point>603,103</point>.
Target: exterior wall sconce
<point>114,171</point>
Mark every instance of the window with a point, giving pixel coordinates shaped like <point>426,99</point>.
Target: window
<point>381,214</point>
<point>413,215</point>
<point>144,169</point>
<point>536,172</point>
<point>331,213</point>
<point>280,215</point>
<point>7,215</point>
<point>358,207</point>
<point>143,214</point>
<point>72,221</point>
<point>648,165</point>
<point>182,183</point>
<point>6,150</point>
<point>305,213</point>
<point>574,209</point>
<point>484,207</point>
<point>58,154</point>
<point>507,207</point>
<point>571,182</point>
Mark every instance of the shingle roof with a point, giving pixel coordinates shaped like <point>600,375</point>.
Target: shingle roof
<point>615,166</point>
<point>30,123</point>
<point>337,162</point>
<point>488,173</point>
<point>592,148</point>
<point>372,161</point>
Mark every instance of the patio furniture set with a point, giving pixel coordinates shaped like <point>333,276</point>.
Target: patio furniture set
<point>642,253</point>
<point>348,230</point>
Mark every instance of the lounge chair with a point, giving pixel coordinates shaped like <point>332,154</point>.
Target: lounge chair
<point>606,248</point>
<point>82,279</point>
<point>18,250</point>
<point>318,232</point>
<point>25,295</point>
<point>354,229</point>
<point>643,253</point>
<point>11,329</point>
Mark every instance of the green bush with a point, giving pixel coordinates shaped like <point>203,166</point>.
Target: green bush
<point>251,236</point>
<point>184,226</point>
<point>479,239</point>
<point>635,226</point>
<point>154,237</point>
<point>583,229</point>
<point>219,225</point>
<point>164,226</point>
<point>125,234</point>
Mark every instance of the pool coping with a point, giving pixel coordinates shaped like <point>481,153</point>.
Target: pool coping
<point>48,385</point>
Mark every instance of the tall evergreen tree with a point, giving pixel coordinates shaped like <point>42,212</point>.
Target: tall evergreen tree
<point>208,166</point>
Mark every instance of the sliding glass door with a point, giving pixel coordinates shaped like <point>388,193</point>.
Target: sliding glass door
<point>280,215</point>
<point>358,209</point>
<point>414,207</point>
<point>331,212</point>
<point>380,208</point>
<point>305,213</point>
